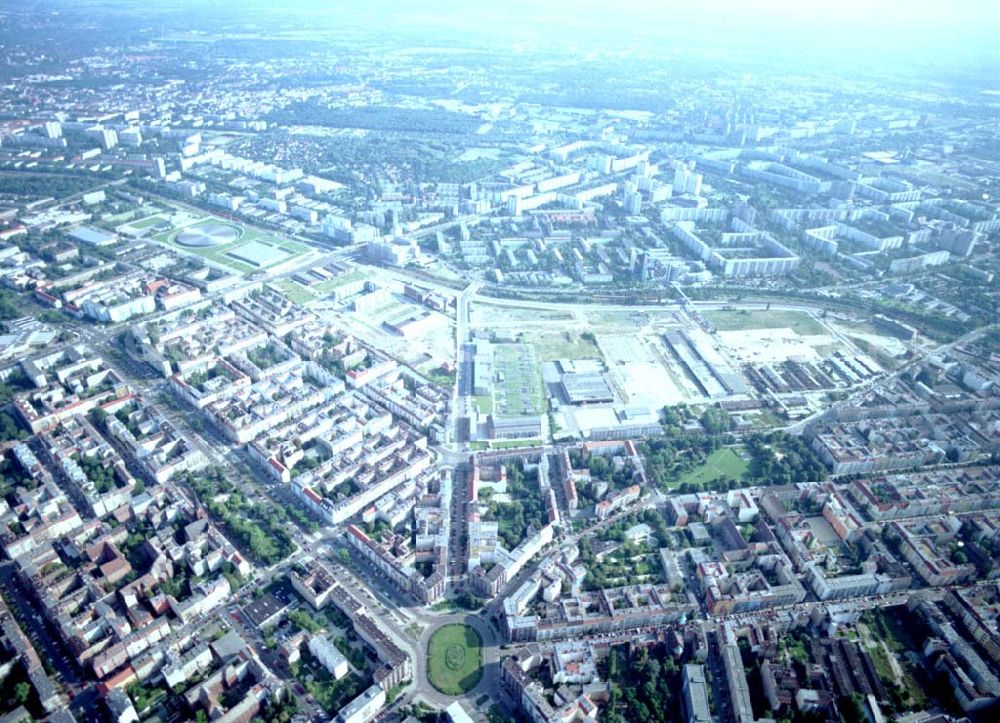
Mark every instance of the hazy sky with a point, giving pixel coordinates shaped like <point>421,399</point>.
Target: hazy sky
<point>950,24</point>
<point>935,31</point>
<point>920,11</point>
<point>856,33</point>
<point>926,14</point>
<point>935,15</point>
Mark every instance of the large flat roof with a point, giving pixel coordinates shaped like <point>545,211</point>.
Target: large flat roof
<point>586,388</point>
<point>258,253</point>
<point>93,236</point>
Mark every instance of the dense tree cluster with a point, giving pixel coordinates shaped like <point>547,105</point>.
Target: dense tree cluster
<point>938,326</point>
<point>9,429</point>
<point>775,459</point>
<point>631,563</point>
<point>614,475</point>
<point>673,417</point>
<point>44,185</point>
<point>653,518</point>
<point>715,420</point>
<point>524,512</point>
<point>102,477</point>
<point>260,526</point>
<point>305,620</point>
<point>8,309</point>
<point>361,162</point>
<point>281,711</point>
<point>796,462</point>
<point>667,458</point>
<point>645,686</point>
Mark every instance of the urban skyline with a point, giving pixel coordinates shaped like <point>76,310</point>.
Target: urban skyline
<point>551,362</point>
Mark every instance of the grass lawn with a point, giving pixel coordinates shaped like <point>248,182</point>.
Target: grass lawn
<point>291,247</point>
<point>455,659</point>
<point>764,417</point>
<point>147,222</point>
<point>797,651</point>
<point>550,346</point>
<point>118,218</point>
<point>485,313</point>
<point>723,462</point>
<point>514,443</point>
<point>882,665</point>
<point>887,625</point>
<point>912,693</point>
<point>503,444</point>
<point>741,319</point>
<point>294,291</point>
<point>890,626</point>
<point>485,403</point>
<point>328,287</point>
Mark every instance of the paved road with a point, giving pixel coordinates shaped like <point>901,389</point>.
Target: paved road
<point>47,644</point>
<point>489,684</point>
<point>385,602</point>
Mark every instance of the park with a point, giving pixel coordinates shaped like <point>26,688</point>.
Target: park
<point>455,659</point>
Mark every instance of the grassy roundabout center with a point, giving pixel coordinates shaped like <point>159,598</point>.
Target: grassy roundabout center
<point>454,659</point>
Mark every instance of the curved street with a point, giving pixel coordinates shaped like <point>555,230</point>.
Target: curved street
<point>490,641</point>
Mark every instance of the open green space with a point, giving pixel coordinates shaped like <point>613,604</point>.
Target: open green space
<point>521,510</point>
<point>147,222</point>
<point>893,634</point>
<point>439,376</point>
<point>331,695</point>
<point>214,254</point>
<point>295,291</point>
<point>797,651</point>
<point>220,255</point>
<point>484,313</point>
<point>393,314</point>
<point>332,285</point>
<point>455,659</point>
<point>259,525</point>
<point>167,236</point>
<point>292,247</point>
<point>742,319</point>
<point>630,564</point>
<point>512,443</point>
<point>551,346</point>
<point>723,462</point>
<point>117,218</point>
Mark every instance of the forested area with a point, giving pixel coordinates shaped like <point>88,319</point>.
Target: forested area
<point>645,686</point>
<point>44,185</point>
<point>17,381</point>
<point>796,462</point>
<point>8,309</point>
<point>775,458</point>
